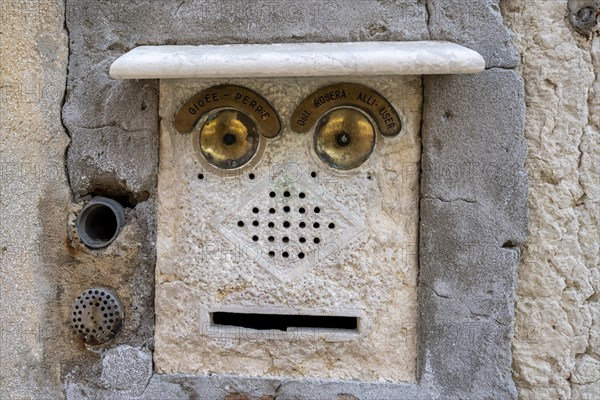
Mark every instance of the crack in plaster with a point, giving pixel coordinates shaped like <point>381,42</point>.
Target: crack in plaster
<point>458,199</point>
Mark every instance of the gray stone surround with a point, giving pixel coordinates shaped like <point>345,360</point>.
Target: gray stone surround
<point>473,186</point>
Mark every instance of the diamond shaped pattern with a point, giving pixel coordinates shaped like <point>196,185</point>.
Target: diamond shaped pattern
<point>288,226</point>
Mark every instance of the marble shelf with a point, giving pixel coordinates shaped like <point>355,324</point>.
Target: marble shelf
<point>297,60</point>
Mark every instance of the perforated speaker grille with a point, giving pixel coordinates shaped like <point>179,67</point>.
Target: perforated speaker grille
<point>96,315</point>
<point>288,225</point>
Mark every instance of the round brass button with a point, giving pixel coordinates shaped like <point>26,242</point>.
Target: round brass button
<point>229,139</point>
<point>344,138</point>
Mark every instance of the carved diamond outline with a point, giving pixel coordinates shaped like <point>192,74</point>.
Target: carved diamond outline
<point>270,254</point>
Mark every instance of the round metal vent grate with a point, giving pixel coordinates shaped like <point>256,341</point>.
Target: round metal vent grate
<point>97,315</point>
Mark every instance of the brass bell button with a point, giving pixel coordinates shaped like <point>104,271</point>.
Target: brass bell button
<point>344,138</point>
<point>229,139</point>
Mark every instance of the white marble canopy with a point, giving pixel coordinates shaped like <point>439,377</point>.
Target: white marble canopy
<point>297,60</point>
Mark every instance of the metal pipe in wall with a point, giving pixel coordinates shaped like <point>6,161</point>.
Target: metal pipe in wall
<point>100,222</point>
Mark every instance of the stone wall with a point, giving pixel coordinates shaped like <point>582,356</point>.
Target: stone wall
<point>555,349</point>
<point>557,342</point>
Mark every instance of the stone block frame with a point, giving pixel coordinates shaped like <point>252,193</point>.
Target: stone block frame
<point>473,206</point>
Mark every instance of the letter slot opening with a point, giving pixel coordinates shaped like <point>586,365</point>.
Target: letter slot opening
<point>283,322</point>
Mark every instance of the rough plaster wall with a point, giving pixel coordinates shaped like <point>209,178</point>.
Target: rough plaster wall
<point>556,351</point>
<point>33,195</point>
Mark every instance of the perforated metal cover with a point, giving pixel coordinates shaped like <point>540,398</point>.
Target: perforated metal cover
<point>97,315</point>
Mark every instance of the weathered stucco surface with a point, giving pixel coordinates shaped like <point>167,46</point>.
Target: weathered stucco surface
<point>33,196</point>
<point>556,350</point>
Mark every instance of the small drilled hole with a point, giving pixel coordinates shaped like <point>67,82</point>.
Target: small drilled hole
<point>272,194</point>
<point>229,139</point>
<point>302,225</point>
<point>302,195</point>
<point>271,239</point>
<point>255,210</point>
<point>285,254</point>
<point>316,225</point>
<point>271,254</point>
<point>285,239</point>
<point>240,224</point>
<point>286,224</point>
<point>251,176</point>
<point>286,194</point>
<point>271,224</point>
<point>331,225</point>
<point>301,210</point>
<point>255,223</point>
<point>271,210</point>
<point>302,240</point>
<point>301,255</point>
<point>200,176</point>
<point>313,174</point>
<point>286,209</point>
<point>255,238</point>
<point>317,240</point>
<point>317,210</point>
